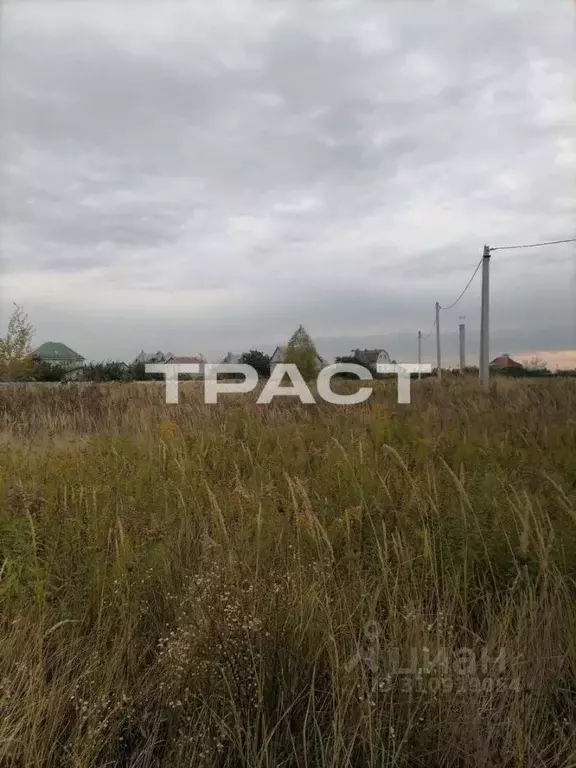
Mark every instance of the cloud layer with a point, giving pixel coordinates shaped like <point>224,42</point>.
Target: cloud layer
<point>205,177</point>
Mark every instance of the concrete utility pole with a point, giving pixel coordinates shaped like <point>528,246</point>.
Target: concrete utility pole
<point>438,355</point>
<point>419,352</point>
<point>462,337</point>
<point>485,321</point>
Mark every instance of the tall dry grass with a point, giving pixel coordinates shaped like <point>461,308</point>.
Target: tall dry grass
<point>232,585</point>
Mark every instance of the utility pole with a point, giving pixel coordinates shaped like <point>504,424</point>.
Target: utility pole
<point>419,353</point>
<point>438,355</point>
<point>462,337</point>
<point>485,321</point>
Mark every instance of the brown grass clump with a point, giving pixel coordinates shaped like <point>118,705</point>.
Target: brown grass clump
<point>286,585</point>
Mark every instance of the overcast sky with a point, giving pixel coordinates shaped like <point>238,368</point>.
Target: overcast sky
<point>203,177</point>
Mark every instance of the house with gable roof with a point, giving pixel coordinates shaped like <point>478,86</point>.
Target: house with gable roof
<point>505,362</point>
<point>56,353</point>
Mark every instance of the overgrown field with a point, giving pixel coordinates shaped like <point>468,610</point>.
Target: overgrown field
<point>270,586</point>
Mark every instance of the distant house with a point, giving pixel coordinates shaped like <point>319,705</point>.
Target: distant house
<point>55,353</point>
<point>505,362</point>
<point>183,359</point>
<point>371,357</point>
<point>168,357</point>
<point>230,358</point>
<point>153,357</point>
<point>280,354</point>
<point>109,371</point>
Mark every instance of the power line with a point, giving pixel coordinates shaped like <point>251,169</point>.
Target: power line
<point>532,245</point>
<point>454,302</point>
<point>465,289</point>
<point>484,333</point>
<point>429,332</point>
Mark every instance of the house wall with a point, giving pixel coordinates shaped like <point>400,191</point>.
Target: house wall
<point>383,358</point>
<point>64,363</point>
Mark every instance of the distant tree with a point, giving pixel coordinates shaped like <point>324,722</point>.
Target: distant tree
<point>350,359</point>
<point>42,371</point>
<point>15,346</point>
<point>301,352</point>
<point>109,370</point>
<point>536,364</point>
<point>137,372</point>
<point>258,360</point>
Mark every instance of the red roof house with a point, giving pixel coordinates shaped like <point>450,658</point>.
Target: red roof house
<point>505,362</point>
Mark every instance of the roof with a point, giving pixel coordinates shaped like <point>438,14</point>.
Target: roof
<point>278,354</point>
<point>505,361</point>
<point>370,356</point>
<point>54,350</point>
<point>231,358</point>
<point>153,357</point>
<point>185,360</point>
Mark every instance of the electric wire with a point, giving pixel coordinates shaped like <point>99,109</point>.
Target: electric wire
<point>465,289</point>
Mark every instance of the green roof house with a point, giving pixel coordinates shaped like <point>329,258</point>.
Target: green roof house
<point>55,353</point>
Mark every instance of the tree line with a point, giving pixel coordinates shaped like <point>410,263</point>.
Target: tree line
<point>18,364</point>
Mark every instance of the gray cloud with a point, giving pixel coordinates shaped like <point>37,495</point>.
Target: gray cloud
<point>209,177</point>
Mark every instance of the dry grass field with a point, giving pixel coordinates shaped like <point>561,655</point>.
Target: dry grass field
<point>271,586</point>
